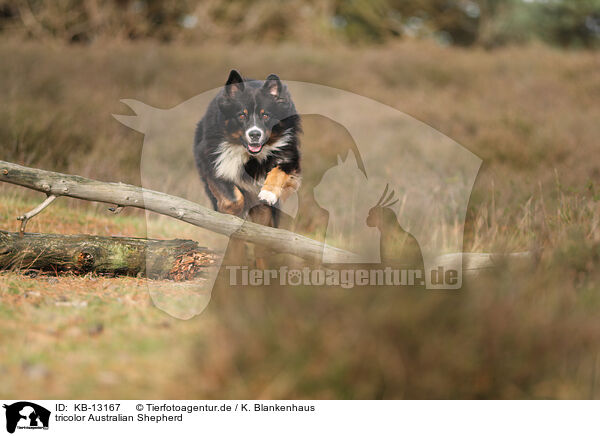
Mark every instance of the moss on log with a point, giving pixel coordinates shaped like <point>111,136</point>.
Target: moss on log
<point>176,259</point>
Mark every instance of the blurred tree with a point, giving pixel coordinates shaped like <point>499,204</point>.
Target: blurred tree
<point>561,22</point>
<point>84,20</point>
<point>463,22</point>
<point>505,22</point>
<point>365,21</point>
<point>568,23</point>
<point>457,18</point>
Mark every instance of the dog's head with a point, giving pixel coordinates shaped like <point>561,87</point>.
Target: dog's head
<point>255,112</point>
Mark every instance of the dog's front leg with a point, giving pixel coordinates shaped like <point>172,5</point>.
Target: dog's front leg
<point>278,186</point>
<point>228,198</point>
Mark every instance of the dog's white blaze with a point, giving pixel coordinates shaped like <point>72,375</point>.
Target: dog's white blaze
<point>254,129</point>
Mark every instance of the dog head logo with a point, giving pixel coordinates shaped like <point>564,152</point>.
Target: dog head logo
<point>431,175</point>
<point>26,415</point>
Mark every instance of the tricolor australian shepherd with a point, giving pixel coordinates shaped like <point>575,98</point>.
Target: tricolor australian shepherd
<point>247,148</point>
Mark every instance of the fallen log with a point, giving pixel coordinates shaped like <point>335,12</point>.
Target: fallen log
<point>55,184</point>
<point>123,195</point>
<point>177,259</point>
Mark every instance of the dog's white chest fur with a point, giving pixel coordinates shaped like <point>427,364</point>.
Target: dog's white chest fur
<point>230,162</point>
<point>231,159</point>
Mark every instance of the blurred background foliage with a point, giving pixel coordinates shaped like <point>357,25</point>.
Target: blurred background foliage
<point>490,23</point>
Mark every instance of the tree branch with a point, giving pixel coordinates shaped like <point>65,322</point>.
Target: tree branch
<point>27,216</point>
<point>123,195</point>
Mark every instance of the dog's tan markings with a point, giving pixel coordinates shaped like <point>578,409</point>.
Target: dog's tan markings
<point>224,204</point>
<point>278,186</point>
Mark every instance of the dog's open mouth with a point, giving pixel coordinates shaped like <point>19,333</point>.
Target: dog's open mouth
<point>254,148</point>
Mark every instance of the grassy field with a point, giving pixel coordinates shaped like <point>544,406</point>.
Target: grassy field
<point>530,113</point>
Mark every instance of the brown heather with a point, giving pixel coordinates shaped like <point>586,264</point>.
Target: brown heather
<point>531,113</point>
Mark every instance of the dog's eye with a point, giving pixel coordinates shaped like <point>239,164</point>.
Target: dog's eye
<point>265,116</point>
<point>242,116</point>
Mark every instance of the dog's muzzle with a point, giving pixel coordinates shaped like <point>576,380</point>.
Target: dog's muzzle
<point>255,139</point>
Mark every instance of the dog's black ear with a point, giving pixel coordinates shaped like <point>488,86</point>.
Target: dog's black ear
<point>235,84</point>
<point>273,86</point>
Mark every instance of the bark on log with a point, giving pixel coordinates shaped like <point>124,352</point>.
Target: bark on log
<point>123,195</point>
<point>176,259</point>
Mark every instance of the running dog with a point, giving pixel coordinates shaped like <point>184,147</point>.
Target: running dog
<point>246,148</point>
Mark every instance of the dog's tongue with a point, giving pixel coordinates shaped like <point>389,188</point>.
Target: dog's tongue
<point>254,148</point>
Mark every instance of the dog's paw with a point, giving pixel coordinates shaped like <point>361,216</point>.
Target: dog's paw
<point>268,197</point>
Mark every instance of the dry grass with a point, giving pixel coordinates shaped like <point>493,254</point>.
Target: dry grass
<point>530,113</point>
<point>82,336</point>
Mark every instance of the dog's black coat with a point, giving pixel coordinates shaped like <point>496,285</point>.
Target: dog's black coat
<point>222,143</point>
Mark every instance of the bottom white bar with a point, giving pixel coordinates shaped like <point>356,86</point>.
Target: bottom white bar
<point>299,417</point>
